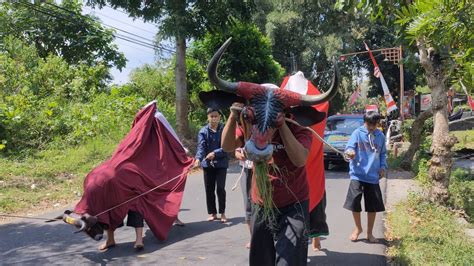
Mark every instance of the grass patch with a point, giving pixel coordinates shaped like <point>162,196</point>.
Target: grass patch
<point>49,177</point>
<point>465,138</point>
<point>461,191</point>
<point>422,233</point>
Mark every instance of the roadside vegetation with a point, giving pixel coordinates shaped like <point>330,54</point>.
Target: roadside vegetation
<point>423,233</point>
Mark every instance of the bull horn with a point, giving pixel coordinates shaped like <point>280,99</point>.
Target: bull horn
<point>308,100</point>
<point>81,225</point>
<point>212,71</point>
<point>78,223</point>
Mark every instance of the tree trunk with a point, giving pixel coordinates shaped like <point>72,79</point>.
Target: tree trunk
<point>441,161</point>
<point>182,124</point>
<point>417,130</point>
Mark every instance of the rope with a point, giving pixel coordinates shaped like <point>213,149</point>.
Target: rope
<point>238,179</point>
<point>31,218</point>
<point>103,212</point>
<point>320,138</point>
<point>141,195</point>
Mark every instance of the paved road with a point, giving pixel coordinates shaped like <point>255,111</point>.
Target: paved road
<point>198,243</point>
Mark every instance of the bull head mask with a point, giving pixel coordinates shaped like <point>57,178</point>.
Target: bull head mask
<point>266,106</point>
<point>84,223</point>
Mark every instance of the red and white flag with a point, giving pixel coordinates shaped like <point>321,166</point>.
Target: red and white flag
<point>391,106</point>
<point>469,98</point>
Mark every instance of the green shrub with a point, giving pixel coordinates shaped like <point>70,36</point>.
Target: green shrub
<point>406,129</point>
<point>461,191</point>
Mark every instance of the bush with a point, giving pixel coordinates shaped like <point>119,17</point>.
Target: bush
<point>461,190</point>
<point>36,95</point>
<point>406,129</point>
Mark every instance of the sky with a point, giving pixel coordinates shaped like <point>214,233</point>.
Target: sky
<point>136,55</point>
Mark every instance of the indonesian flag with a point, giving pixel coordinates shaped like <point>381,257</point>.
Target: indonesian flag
<point>469,98</point>
<point>391,106</point>
<point>315,162</point>
<point>149,159</point>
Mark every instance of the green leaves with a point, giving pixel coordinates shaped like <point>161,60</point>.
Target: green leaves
<point>60,31</point>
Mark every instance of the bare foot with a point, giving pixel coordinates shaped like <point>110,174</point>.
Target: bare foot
<point>223,218</point>
<point>107,245</point>
<point>355,234</point>
<point>248,245</point>
<point>371,238</point>
<point>316,244</point>
<point>138,246</point>
<point>212,217</point>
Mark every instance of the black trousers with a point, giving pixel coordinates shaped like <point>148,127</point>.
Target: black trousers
<point>214,181</point>
<point>134,219</point>
<point>285,245</point>
<point>317,219</point>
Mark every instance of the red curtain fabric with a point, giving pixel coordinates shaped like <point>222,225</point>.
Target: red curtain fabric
<point>149,156</point>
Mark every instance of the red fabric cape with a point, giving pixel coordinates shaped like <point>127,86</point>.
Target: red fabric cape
<point>148,156</point>
<point>315,161</point>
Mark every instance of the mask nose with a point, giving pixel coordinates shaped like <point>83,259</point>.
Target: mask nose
<point>257,154</point>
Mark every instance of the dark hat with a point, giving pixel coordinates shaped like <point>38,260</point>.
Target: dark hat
<point>210,110</point>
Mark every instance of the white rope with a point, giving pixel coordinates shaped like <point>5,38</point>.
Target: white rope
<point>320,138</point>
<point>238,179</point>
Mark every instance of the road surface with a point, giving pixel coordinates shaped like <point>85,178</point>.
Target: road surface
<point>198,243</point>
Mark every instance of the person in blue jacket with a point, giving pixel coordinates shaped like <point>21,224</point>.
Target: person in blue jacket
<point>367,153</point>
<point>214,161</point>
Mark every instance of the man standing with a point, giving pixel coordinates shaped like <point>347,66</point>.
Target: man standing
<point>285,242</point>
<point>214,161</point>
<point>367,151</point>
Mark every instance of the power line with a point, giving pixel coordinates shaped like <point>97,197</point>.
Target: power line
<point>55,14</point>
<point>88,18</point>
<point>93,11</point>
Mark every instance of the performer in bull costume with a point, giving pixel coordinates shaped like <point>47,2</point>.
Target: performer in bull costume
<point>279,151</point>
<point>146,175</point>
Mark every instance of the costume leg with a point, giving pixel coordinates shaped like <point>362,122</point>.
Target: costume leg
<point>210,186</point>
<point>262,249</point>
<point>291,240</point>
<point>317,219</point>
<point>135,219</point>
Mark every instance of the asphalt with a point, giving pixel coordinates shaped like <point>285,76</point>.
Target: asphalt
<point>33,242</point>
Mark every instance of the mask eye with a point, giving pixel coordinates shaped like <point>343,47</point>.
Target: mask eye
<point>248,114</point>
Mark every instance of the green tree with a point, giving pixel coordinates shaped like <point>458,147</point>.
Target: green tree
<point>441,31</point>
<point>184,20</point>
<point>307,34</point>
<point>249,57</point>
<point>35,94</point>
<point>62,32</point>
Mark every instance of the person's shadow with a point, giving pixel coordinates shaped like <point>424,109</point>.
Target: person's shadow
<point>177,234</point>
<point>328,257</point>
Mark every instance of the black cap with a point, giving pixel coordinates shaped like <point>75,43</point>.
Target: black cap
<point>210,110</point>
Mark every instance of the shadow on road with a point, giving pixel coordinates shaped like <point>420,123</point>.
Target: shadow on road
<point>177,234</point>
<point>328,257</point>
<point>38,243</point>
